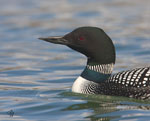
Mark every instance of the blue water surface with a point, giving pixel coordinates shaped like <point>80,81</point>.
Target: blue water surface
<point>36,77</point>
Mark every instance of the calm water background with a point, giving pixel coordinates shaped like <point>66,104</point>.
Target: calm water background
<point>36,77</point>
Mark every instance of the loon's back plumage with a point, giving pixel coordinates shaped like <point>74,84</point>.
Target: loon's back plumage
<point>132,83</point>
<point>139,77</point>
<point>97,76</point>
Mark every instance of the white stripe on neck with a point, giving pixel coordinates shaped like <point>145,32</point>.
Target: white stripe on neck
<point>102,68</point>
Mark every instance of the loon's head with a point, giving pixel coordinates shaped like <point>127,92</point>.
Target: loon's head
<point>93,42</point>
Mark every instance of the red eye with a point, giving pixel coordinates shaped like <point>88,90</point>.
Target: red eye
<point>81,38</point>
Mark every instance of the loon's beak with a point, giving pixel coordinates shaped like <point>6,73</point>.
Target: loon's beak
<point>55,39</point>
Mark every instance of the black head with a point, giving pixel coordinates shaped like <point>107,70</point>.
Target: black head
<point>90,41</point>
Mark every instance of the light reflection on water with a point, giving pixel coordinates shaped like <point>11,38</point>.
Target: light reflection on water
<point>36,77</point>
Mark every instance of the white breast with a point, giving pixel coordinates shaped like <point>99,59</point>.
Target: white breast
<point>79,85</point>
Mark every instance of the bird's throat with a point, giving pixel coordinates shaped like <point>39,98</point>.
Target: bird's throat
<point>97,72</point>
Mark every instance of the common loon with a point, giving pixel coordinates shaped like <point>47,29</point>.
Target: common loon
<point>97,76</point>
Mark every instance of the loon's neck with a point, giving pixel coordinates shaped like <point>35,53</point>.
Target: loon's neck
<point>97,72</point>
<point>93,74</point>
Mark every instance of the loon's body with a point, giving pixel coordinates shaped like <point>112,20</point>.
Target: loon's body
<point>97,76</point>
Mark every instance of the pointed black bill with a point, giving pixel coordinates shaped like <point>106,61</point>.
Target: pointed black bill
<point>55,39</point>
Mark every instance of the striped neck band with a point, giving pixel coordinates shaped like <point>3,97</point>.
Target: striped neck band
<point>101,68</point>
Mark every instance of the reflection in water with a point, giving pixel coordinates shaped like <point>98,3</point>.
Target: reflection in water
<point>101,107</point>
<point>35,75</point>
<point>97,109</point>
